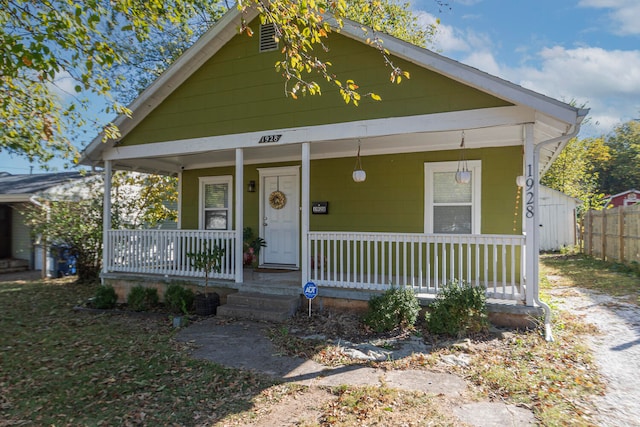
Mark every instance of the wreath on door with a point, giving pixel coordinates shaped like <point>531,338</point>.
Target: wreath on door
<point>277,200</point>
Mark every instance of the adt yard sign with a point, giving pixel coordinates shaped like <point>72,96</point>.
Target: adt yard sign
<point>310,290</point>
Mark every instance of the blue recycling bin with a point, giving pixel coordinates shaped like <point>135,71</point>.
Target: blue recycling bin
<point>65,261</point>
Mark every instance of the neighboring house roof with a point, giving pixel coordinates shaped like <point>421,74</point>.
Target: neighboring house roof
<point>20,188</point>
<point>622,195</point>
<point>552,118</point>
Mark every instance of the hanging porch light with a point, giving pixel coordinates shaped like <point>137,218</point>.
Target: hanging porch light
<point>359,175</point>
<point>463,174</point>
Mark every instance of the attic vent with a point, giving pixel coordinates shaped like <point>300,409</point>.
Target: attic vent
<point>268,37</point>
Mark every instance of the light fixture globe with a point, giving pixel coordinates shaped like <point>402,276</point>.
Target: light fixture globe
<point>463,177</point>
<point>359,175</point>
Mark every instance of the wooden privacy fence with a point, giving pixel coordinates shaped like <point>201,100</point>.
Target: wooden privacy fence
<point>613,234</point>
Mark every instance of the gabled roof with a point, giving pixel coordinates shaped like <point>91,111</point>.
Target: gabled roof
<point>633,190</point>
<point>554,117</point>
<point>20,188</point>
<point>624,193</point>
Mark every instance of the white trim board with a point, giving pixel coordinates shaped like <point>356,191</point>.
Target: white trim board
<point>441,122</point>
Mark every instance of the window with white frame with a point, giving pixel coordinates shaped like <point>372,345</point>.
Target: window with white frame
<point>450,207</point>
<point>215,208</point>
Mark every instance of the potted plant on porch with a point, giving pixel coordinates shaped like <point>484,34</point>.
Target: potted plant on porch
<point>251,245</point>
<point>209,259</point>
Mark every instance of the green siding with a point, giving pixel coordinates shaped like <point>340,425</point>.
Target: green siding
<point>190,190</point>
<point>392,197</point>
<point>238,90</point>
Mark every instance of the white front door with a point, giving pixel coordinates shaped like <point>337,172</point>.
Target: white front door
<point>280,216</point>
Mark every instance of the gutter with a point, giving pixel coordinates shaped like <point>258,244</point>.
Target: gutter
<point>548,335</point>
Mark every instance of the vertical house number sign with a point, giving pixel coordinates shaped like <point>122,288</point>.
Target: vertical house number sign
<point>530,193</point>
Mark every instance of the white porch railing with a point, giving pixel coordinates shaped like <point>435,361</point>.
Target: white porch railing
<point>165,251</point>
<point>423,262</point>
<point>372,261</point>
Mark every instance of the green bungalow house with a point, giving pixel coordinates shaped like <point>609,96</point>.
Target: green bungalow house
<point>248,156</point>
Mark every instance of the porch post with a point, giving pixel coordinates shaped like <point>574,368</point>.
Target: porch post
<point>530,213</point>
<point>304,252</point>
<point>179,200</point>
<point>106,217</point>
<point>239,213</point>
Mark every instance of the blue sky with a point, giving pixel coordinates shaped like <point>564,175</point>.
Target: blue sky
<point>586,51</point>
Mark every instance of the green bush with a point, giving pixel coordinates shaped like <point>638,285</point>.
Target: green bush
<point>178,299</point>
<point>459,309</point>
<point>105,297</point>
<point>395,308</point>
<point>141,298</point>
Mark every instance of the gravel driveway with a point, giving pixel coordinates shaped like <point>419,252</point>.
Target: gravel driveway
<point>616,351</point>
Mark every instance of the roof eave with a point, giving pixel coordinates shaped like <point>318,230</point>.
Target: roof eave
<point>468,75</point>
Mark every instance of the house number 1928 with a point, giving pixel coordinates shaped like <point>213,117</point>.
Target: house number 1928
<point>530,193</point>
<point>269,138</point>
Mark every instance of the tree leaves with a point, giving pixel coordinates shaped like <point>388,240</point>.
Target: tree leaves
<point>137,200</point>
<point>303,31</point>
<point>574,172</point>
<point>40,42</point>
<point>621,170</point>
<point>91,43</point>
<point>590,168</point>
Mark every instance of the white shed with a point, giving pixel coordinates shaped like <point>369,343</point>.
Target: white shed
<point>558,223</point>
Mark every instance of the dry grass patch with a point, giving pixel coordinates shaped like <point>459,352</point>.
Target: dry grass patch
<point>385,407</point>
<point>555,380</point>
<point>589,273</point>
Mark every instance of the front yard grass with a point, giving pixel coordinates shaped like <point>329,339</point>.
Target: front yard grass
<point>60,367</point>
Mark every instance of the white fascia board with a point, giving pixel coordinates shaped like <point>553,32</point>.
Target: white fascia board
<point>468,75</point>
<point>186,64</point>
<point>489,117</point>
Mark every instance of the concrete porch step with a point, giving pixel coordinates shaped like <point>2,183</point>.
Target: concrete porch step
<point>257,306</point>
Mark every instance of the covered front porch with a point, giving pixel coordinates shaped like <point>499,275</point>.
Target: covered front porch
<point>339,260</point>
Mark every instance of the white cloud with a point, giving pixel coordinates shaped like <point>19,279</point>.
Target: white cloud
<point>63,85</point>
<point>474,49</point>
<point>444,37</point>
<point>450,39</point>
<point>624,14</point>
<point>608,82</point>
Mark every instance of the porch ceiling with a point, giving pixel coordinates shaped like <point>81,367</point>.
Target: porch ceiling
<point>501,136</point>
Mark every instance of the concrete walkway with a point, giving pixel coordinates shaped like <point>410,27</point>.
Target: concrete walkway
<point>616,350</point>
<point>244,345</point>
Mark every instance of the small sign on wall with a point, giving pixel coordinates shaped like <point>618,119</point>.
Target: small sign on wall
<point>319,208</point>
<point>265,139</point>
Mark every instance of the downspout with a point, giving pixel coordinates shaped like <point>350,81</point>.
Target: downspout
<point>548,335</point>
